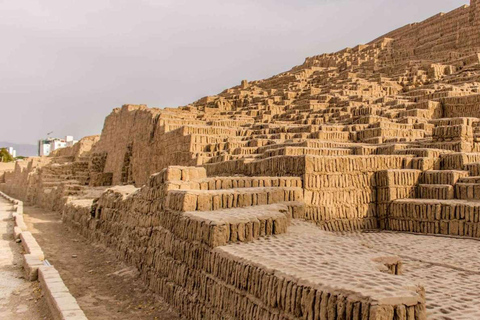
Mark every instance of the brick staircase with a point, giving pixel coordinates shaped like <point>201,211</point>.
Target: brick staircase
<point>442,202</point>
<point>468,187</point>
<point>221,210</point>
<point>439,184</point>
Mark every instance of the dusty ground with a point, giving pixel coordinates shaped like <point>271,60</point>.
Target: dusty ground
<point>19,299</point>
<point>105,288</point>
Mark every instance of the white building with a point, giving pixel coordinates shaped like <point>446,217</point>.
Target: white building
<point>46,146</point>
<point>12,152</point>
<point>69,140</point>
<point>43,147</point>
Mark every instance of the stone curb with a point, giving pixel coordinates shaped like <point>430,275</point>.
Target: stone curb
<point>61,303</point>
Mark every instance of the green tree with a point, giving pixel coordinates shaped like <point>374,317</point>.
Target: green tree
<point>5,156</point>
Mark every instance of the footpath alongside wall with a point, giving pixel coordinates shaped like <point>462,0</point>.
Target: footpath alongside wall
<point>62,304</point>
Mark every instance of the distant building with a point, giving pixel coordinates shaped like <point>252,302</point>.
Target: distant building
<point>12,152</point>
<point>69,140</point>
<point>43,147</point>
<point>46,146</point>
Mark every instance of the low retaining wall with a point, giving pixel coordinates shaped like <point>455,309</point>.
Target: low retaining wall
<point>62,304</point>
<point>430,216</point>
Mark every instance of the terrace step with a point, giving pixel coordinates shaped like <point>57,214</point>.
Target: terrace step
<point>240,182</point>
<point>443,176</point>
<point>473,168</point>
<point>226,226</point>
<point>449,217</point>
<point>51,184</point>
<point>211,200</point>
<point>474,179</point>
<point>294,151</point>
<point>436,191</point>
<point>468,191</point>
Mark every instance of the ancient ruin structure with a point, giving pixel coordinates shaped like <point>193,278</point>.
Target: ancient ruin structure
<point>252,204</point>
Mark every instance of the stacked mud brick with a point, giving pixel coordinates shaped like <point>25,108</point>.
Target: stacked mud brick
<point>384,135</point>
<point>175,228</point>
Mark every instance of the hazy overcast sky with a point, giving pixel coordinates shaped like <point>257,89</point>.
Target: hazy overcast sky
<point>65,64</point>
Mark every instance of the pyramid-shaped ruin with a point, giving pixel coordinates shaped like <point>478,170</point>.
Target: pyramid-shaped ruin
<point>301,196</point>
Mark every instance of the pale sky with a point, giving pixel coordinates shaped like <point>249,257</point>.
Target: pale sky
<point>64,65</point>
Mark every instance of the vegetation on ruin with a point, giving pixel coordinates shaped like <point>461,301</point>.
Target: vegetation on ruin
<point>5,156</point>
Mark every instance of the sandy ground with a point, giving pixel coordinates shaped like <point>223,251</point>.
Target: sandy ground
<point>105,288</point>
<point>19,299</point>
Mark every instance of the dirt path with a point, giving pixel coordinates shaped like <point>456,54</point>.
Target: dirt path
<point>105,288</point>
<point>19,299</point>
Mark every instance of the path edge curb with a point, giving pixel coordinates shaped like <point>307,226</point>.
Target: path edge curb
<point>62,305</point>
